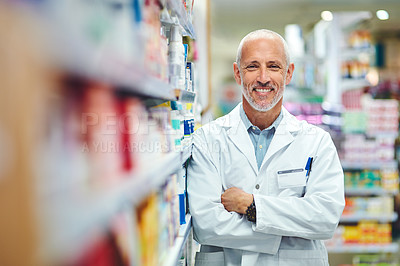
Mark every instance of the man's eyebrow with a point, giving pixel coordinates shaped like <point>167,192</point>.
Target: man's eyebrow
<point>251,62</point>
<point>257,62</point>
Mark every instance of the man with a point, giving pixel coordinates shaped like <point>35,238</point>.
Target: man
<point>264,188</point>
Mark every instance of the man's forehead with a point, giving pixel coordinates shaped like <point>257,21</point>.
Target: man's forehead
<point>268,43</point>
<point>274,52</point>
<point>255,40</point>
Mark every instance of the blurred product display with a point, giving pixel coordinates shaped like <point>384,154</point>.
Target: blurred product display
<point>99,150</point>
<point>362,115</point>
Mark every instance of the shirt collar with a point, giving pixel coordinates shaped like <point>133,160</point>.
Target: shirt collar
<point>248,124</point>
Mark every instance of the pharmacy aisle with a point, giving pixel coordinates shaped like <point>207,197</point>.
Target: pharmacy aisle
<point>363,119</point>
<point>96,118</point>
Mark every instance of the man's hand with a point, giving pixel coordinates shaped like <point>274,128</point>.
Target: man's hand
<point>236,200</point>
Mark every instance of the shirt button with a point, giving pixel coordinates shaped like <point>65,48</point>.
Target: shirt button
<point>260,146</point>
<point>254,128</point>
<point>257,186</point>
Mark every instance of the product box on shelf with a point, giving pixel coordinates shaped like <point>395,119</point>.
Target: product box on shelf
<point>310,112</point>
<point>368,233</point>
<point>369,206</point>
<point>383,259</point>
<point>370,131</point>
<point>390,179</point>
<point>362,179</point>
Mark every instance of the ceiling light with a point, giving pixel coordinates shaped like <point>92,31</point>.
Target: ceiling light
<point>327,15</point>
<point>382,14</point>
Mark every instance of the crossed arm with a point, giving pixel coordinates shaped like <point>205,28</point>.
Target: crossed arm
<point>236,200</point>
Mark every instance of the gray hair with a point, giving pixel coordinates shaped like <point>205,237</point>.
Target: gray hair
<point>262,34</point>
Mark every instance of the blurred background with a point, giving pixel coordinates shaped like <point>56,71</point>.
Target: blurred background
<point>300,22</point>
<point>100,98</point>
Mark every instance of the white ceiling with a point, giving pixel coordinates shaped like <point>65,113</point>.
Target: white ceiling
<point>238,16</point>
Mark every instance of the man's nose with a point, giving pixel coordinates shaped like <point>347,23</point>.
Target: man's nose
<point>262,84</point>
<point>263,76</point>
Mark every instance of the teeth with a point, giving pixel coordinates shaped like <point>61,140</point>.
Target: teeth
<point>263,90</point>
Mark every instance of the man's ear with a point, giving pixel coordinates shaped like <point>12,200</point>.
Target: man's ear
<point>289,74</point>
<point>236,72</point>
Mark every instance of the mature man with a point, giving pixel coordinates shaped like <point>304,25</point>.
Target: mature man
<point>264,188</point>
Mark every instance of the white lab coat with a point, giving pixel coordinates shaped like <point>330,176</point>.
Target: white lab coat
<point>294,213</point>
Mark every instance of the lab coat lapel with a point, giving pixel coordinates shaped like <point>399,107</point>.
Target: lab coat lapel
<point>240,137</point>
<point>283,135</point>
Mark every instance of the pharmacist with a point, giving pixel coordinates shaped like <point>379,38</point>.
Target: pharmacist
<point>264,188</point>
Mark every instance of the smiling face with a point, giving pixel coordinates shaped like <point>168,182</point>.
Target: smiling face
<point>263,73</point>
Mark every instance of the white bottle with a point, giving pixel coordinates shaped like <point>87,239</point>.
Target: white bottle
<point>176,58</point>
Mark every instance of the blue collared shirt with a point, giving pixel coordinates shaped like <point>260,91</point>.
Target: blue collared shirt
<point>260,139</point>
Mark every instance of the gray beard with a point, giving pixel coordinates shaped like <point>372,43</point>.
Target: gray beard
<point>257,107</point>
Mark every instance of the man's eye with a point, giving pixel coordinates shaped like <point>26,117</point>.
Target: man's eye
<point>251,67</point>
<point>274,66</point>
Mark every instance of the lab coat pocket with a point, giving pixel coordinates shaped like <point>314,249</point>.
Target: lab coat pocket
<point>210,259</point>
<point>302,258</point>
<point>291,182</point>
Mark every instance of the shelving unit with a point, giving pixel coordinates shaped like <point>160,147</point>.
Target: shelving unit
<point>349,84</point>
<point>175,251</point>
<point>88,210</point>
<point>368,165</point>
<point>353,248</point>
<point>378,191</point>
<point>357,55</point>
<point>70,208</point>
<point>123,76</point>
<point>351,52</point>
<point>369,208</point>
<point>382,218</point>
<point>99,63</point>
<point>345,62</point>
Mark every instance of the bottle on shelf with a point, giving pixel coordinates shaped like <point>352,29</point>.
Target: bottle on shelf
<point>176,58</point>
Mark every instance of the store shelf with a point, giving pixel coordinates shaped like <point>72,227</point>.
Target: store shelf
<point>383,134</point>
<point>349,84</point>
<point>125,77</point>
<point>176,250</point>
<point>122,68</point>
<point>368,165</point>
<point>378,191</point>
<point>78,213</point>
<point>354,248</point>
<point>365,216</point>
<point>349,53</point>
